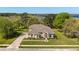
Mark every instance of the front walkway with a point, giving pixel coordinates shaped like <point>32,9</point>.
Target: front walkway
<point>17,42</point>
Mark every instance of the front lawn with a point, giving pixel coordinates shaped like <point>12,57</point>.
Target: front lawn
<point>49,46</point>
<point>64,40</point>
<point>6,41</point>
<point>9,41</point>
<point>3,46</point>
<point>38,42</point>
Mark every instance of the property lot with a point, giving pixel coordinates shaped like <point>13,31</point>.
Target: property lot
<point>61,40</point>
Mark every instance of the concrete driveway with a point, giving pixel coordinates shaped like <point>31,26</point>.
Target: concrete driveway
<point>18,41</point>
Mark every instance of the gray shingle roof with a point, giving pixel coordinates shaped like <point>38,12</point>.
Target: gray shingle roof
<point>36,28</point>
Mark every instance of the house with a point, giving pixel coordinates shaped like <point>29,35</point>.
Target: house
<point>75,34</point>
<point>40,31</point>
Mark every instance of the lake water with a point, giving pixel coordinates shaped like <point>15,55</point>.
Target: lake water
<point>76,15</point>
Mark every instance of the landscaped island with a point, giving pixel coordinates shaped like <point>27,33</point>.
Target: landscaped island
<point>39,29</point>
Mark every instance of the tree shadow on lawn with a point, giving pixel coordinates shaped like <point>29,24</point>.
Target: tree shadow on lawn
<point>15,34</point>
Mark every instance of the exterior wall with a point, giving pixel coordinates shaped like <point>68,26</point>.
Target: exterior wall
<point>43,35</point>
<point>29,36</point>
<point>32,36</point>
<point>52,36</point>
<point>35,36</point>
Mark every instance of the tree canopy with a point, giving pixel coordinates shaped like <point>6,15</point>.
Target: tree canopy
<point>6,27</point>
<point>60,19</point>
<point>33,20</point>
<point>70,27</point>
<point>48,20</point>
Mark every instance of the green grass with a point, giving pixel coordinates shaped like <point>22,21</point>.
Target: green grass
<point>50,42</point>
<point>61,40</point>
<point>6,41</point>
<point>22,30</point>
<point>34,39</point>
<point>49,47</point>
<point>3,46</point>
<point>64,40</point>
<point>9,41</point>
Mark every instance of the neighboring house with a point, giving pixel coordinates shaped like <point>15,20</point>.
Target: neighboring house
<point>76,34</point>
<point>40,31</point>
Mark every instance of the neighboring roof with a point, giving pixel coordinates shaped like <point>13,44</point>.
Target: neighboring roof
<point>36,28</point>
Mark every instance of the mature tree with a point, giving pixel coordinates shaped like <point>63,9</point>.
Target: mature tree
<point>17,22</point>
<point>18,25</point>
<point>6,27</point>
<point>33,20</point>
<point>48,20</point>
<point>60,19</point>
<point>24,19</point>
<point>8,14</point>
<point>70,27</point>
